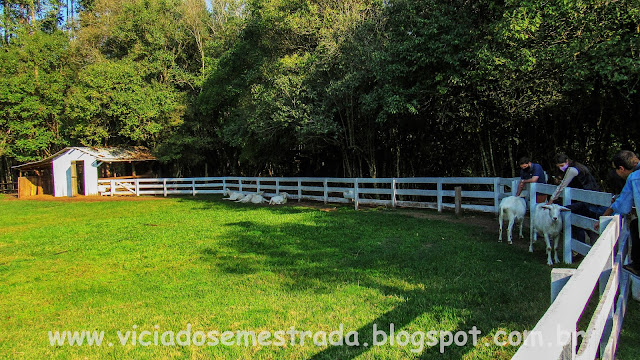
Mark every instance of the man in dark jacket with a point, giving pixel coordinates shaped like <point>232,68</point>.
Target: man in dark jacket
<point>531,173</point>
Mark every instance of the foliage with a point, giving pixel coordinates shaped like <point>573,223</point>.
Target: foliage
<point>336,88</point>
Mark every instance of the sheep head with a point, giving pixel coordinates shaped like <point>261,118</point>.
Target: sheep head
<point>555,211</point>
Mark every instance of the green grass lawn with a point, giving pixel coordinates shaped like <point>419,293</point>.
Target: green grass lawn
<point>161,264</point>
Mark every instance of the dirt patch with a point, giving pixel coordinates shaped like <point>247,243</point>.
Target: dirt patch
<point>81,198</point>
<point>488,222</point>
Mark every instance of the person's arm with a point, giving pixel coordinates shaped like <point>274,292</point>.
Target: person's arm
<point>568,177</point>
<point>532,180</point>
<point>624,202</point>
<point>622,205</point>
<point>523,182</point>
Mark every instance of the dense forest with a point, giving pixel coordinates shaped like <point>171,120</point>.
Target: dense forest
<point>363,88</point>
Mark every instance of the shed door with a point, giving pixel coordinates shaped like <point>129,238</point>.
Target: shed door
<point>77,177</point>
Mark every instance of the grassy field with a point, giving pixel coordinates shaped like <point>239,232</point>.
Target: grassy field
<point>159,265</point>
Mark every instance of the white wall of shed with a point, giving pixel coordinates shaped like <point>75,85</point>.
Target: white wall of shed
<point>62,173</point>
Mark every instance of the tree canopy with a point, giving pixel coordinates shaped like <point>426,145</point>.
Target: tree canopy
<point>323,87</point>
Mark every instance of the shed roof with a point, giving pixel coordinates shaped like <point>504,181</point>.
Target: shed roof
<point>104,154</point>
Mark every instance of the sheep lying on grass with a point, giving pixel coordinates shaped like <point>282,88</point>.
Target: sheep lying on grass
<point>279,199</point>
<point>514,208</point>
<point>232,195</point>
<point>548,222</point>
<point>245,198</point>
<point>258,199</point>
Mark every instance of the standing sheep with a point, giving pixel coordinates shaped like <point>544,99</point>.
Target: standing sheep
<point>548,222</point>
<point>514,208</point>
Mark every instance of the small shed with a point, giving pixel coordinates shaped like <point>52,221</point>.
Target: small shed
<point>75,170</point>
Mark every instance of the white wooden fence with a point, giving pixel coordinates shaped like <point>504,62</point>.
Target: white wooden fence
<point>479,194</point>
<point>555,336</point>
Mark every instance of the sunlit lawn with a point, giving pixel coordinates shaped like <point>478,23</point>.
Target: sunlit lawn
<point>161,264</point>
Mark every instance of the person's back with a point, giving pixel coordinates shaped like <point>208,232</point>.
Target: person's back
<point>584,179</point>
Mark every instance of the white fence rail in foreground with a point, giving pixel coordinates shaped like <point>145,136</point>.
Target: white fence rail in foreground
<point>556,335</point>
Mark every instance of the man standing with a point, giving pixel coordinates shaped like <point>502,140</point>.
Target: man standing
<point>626,163</point>
<point>531,173</point>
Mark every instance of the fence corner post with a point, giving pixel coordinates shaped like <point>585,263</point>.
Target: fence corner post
<point>567,248</point>
<point>559,278</point>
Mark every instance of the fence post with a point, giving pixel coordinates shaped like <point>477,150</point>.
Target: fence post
<point>394,192</point>
<point>258,185</point>
<point>113,186</point>
<point>514,187</point>
<point>533,235</point>
<point>240,184</point>
<point>137,187</point>
<point>326,190</point>
<point>277,186</point>
<point>496,194</point>
<point>566,200</point>
<point>224,184</point>
<point>559,278</point>
<point>439,194</point>
<point>355,194</point>
<point>164,187</point>
<point>299,190</point>
<point>193,187</point>
<point>458,200</point>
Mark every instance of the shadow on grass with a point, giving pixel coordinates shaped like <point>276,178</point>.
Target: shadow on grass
<point>442,268</point>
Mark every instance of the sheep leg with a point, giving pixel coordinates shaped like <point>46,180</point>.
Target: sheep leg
<point>546,240</point>
<point>521,224</point>
<point>555,249</point>
<point>531,244</point>
<point>500,220</point>
<point>510,230</point>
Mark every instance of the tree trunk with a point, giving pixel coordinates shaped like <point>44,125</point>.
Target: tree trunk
<point>511,160</point>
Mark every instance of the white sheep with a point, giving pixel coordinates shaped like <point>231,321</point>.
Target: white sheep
<point>548,222</point>
<point>514,208</point>
<point>232,195</point>
<point>258,199</point>
<point>245,198</point>
<point>279,199</point>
